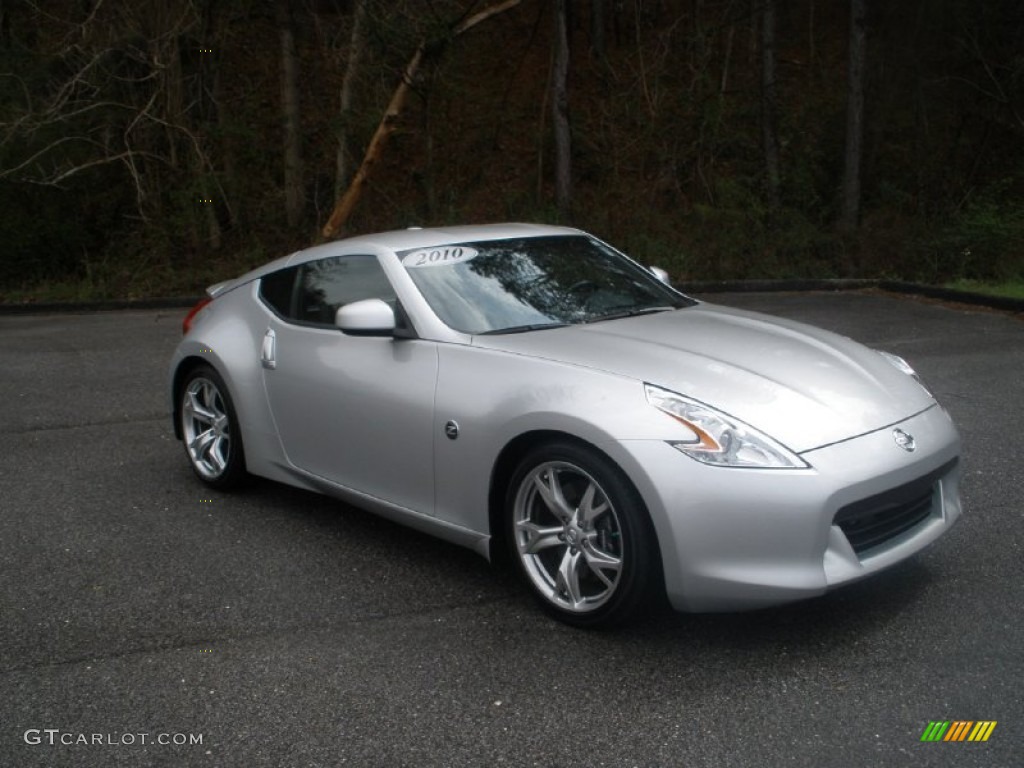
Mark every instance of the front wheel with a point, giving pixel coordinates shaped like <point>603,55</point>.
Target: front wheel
<point>209,427</point>
<point>580,536</point>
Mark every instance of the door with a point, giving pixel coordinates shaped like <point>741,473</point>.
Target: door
<point>355,410</point>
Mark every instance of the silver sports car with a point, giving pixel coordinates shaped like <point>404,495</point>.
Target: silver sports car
<point>530,390</point>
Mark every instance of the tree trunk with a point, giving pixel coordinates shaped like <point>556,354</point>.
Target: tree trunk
<point>344,207</point>
<point>228,155</point>
<point>560,114</point>
<point>294,191</point>
<point>205,111</point>
<point>723,83</point>
<point>357,44</point>
<point>812,51</point>
<point>769,136</point>
<point>850,213</point>
<point>755,24</point>
<point>5,26</point>
<point>597,26</point>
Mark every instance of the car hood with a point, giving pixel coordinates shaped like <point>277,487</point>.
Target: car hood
<point>804,386</point>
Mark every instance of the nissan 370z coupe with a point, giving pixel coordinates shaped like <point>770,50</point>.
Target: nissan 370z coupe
<point>531,388</point>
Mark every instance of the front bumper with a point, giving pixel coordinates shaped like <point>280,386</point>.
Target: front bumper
<point>735,539</point>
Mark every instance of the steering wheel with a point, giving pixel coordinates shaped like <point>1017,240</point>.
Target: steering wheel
<point>588,285</point>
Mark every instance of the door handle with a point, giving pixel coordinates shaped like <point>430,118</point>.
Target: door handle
<point>268,354</point>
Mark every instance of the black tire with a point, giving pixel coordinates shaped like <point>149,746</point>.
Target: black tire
<point>210,430</point>
<point>590,557</point>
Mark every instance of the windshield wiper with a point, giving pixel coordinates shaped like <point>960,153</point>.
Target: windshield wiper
<point>629,313</point>
<point>523,328</point>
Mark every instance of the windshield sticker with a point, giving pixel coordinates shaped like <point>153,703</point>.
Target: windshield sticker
<point>439,257</point>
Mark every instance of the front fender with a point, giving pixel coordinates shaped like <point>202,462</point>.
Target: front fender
<point>496,397</point>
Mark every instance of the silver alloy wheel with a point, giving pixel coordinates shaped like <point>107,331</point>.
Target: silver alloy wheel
<point>568,536</point>
<point>206,428</point>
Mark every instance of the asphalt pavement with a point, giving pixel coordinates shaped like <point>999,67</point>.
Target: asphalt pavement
<point>145,621</point>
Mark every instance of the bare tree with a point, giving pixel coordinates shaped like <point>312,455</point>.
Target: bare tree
<point>294,191</point>
<point>769,119</point>
<point>346,204</point>
<point>597,29</point>
<point>560,113</point>
<point>357,45</point>
<point>850,211</point>
<point>123,100</point>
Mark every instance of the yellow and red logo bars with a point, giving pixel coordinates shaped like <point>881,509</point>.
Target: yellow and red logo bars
<point>958,730</point>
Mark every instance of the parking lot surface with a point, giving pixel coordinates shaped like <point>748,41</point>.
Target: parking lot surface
<point>149,621</point>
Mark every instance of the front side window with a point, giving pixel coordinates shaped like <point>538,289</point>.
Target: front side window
<point>314,294</point>
<point>505,286</point>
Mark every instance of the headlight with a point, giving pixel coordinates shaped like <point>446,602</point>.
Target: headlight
<point>902,365</point>
<point>718,439</point>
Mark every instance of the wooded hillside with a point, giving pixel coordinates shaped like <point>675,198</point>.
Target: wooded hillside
<point>154,146</point>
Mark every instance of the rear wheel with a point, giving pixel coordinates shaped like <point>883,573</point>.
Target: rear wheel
<point>580,536</point>
<point>209,427</point>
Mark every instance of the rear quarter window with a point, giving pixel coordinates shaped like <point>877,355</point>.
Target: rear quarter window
<point>277,290</point>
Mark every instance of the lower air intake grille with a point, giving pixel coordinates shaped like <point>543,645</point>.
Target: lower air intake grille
<point>873,521</point>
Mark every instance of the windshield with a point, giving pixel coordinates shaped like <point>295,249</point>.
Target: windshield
<point>506,286</point>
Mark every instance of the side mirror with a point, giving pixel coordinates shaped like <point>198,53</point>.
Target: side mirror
<point>369,317</point>
<point>661,274</point>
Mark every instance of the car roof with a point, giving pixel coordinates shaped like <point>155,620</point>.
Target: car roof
<point>398,240</point>
<point>419,237</point>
